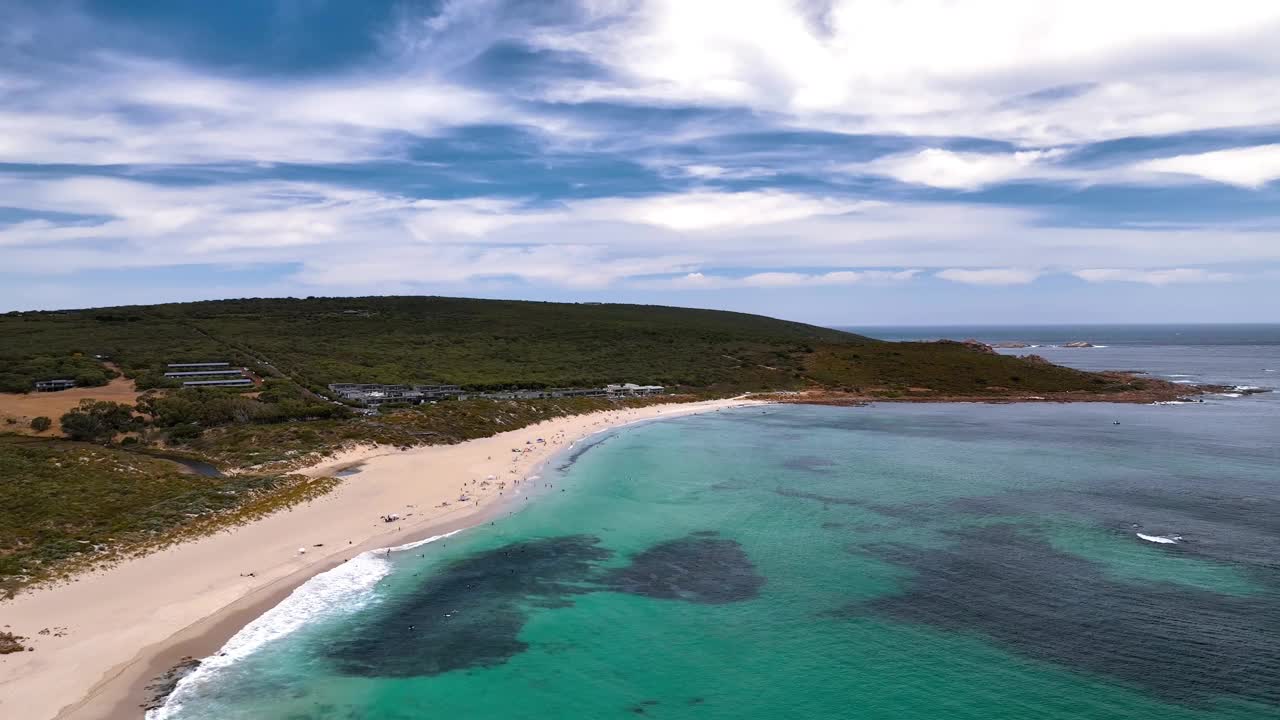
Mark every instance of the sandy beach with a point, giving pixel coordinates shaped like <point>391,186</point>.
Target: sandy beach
<point>111,632</point>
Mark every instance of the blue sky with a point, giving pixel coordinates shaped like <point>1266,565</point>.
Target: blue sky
<point>838,161</point>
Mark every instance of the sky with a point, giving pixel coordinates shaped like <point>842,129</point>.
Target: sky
<point>843,162</point>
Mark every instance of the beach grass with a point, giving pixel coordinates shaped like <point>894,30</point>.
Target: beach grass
<point>69,506</point>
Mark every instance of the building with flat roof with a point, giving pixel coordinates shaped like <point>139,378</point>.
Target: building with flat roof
<point>224,382</point>
<point>181,366</point>
<point>634,389</point>
<point>54,385</point>
<point>373,394</point>
<point>200,373</point>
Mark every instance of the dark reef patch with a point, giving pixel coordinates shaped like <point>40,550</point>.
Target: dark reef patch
<point>824,499</point>
<point>809,463</point>
<point>904,512</point>
<point>731,484</point>
<point>1240,528</point>
<point>470,613</point>
<point>697,568</point>
<point>579,449</point>
<point>1180,644</point>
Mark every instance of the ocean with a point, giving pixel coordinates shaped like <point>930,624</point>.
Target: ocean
<point>895,561</point>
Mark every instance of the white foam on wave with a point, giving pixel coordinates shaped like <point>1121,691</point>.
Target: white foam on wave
<point>1180,375</point>
<point>1159,539</point>
<point>420,543</point>
<point>342,590</point>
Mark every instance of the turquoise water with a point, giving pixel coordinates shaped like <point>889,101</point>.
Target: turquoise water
<point>941,561</point>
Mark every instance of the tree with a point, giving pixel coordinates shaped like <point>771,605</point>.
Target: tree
<point>41,424</point>
<point>97,420</point>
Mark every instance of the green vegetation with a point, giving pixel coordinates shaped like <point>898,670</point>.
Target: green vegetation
<point>484,344</point>
<point>21,367</point>
<point>65,504</point>
<point>948,369</point>
<point>40,424</point>
<point>97,421</point>
<point>10,643</point>
<point>282,446</point>
<point>279,401</point>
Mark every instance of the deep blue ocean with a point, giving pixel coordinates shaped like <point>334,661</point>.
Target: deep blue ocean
<point>891,562</point>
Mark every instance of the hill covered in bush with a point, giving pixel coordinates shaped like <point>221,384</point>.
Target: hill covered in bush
<point>498,343</point>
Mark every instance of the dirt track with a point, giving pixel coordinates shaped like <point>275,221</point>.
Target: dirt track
<point>52,405</point>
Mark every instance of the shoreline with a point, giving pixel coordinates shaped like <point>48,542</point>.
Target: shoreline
<point>129,624</point>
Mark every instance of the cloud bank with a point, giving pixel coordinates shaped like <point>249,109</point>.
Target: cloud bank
<point>645,148</point>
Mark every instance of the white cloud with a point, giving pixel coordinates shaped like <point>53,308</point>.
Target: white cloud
<point>990,276</point>
<point>91,115</point>
<point>1168,276</point>
<point>702,281</point>
<point>937,67</point>
<point>941,168</point>
<point>1250,167</point>
<point>715,172</point>
<point>706,210</point>
<point>363,240</point>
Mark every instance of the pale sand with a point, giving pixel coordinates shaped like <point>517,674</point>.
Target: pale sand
<point>126,624</point>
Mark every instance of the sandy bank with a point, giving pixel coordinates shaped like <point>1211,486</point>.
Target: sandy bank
<point>125,625</point>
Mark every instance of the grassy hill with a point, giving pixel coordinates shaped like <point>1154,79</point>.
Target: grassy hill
<point>421,339</point>
<point>65,505</point>
<point>491,343</point>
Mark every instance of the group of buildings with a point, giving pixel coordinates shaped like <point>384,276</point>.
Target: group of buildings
<point>190,374</point>
<point>373,394</point>
<point>208,374</point>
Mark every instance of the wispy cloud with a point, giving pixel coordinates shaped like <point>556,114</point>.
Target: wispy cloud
<point>1250,167</point>
<point>655,146</point>
<point>931,68</point>
<point>990,276</point>
<point>703,281</point>
<point>1170,276</point>
<point>941,168</point>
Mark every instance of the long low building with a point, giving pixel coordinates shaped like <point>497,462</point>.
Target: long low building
<point>377,394</point>
<point>374,394</point>
<point>54,385</point>
<point>199,365</point>
<point>225,382</point>
<point>634,389</point>
<point>199,373</point>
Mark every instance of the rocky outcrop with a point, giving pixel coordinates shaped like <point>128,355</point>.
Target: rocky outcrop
<point>1078,344</point>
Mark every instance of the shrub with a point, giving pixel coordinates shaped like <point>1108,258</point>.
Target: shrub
<point>10,643</point>
<point>185,432</point>
<point>41,424</point>
<point>97,420</point>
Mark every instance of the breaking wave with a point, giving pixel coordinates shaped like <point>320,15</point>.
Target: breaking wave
<point>1160,539</point>
<point>342,590</point>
